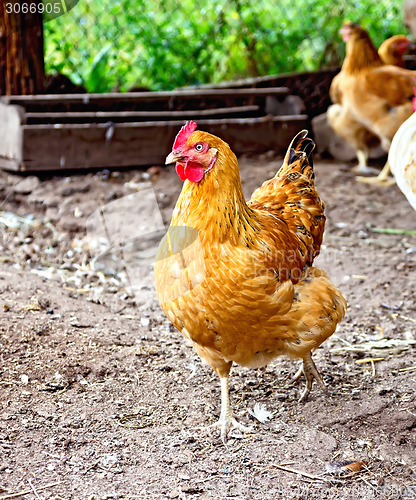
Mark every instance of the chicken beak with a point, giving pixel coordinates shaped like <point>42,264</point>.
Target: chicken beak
<point>173,157</point>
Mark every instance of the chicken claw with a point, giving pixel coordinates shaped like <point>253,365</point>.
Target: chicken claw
<point>227,424</point>
<point>389,181</point>
<point>365,170</point>
<point>310,371</point>
<point>383,178</point>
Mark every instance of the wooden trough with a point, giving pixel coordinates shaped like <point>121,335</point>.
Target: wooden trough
<point>77,131</point>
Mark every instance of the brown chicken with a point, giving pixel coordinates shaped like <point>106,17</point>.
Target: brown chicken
<point>342,117</point>
<point>236,278</point>
<point>392,50</point>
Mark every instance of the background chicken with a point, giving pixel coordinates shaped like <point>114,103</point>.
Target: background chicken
<point>341,115</point>
<point>392,50</point>
<point>236,278</point>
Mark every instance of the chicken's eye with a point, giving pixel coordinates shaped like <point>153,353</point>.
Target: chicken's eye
<point>199,147</point>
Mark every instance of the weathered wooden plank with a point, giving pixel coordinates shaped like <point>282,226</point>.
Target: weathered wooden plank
<point>311,87</point>
<point>138,96</point>
<point>11,139</point>
<point>102,116</point>
<point>264,81</point>
<point>79,146</point>
<point>6,164</point>
<point>95,146</point>
<point>148,101</point>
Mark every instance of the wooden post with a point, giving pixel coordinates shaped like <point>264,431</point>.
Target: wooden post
<point>22,70</point>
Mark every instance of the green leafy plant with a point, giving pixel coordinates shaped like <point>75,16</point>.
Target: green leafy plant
<point>163,44</point>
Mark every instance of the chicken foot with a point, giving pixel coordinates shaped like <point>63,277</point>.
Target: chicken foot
<point>227,421</point>
<point>310,371</point>
<point>383,178</point>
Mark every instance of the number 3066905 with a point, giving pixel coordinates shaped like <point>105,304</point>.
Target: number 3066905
<point>33,8</point>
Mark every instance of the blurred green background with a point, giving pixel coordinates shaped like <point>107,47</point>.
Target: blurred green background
<point>117,45</point>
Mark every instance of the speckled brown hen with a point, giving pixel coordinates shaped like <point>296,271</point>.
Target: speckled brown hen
<point>236,278</point>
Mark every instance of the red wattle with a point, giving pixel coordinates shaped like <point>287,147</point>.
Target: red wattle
<point>180,171</point>
<point>193,171</point>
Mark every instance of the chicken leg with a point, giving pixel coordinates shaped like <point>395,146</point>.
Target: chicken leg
<point>310,371</point>
<point>383,178</point>
<point>362,167</point>
<point>227,420</point>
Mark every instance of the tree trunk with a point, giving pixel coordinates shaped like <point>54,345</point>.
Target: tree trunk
<point>22,69</point>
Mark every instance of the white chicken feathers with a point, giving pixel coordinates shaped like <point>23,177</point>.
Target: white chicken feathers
<point>402,159</point>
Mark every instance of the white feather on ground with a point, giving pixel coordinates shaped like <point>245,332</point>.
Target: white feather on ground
<point>261,413</point>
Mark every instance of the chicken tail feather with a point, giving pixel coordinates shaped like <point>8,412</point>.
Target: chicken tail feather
<point>300,148</point>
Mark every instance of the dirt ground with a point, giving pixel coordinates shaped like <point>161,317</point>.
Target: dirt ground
<point>101,398</point>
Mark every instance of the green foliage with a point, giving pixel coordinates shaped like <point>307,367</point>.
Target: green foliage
<point>96,80</point>
<point>163,44</point>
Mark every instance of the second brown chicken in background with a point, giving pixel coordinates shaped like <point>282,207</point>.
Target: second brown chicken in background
<point>372,93</point>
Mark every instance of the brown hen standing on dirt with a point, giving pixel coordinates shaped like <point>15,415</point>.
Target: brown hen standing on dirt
<point>236,278</point>
<point>371,95</point>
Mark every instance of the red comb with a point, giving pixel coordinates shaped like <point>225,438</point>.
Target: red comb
<point>184,133</point>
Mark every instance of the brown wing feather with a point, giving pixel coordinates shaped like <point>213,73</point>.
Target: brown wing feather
<point>290,197</point>
<point>390,83</point>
